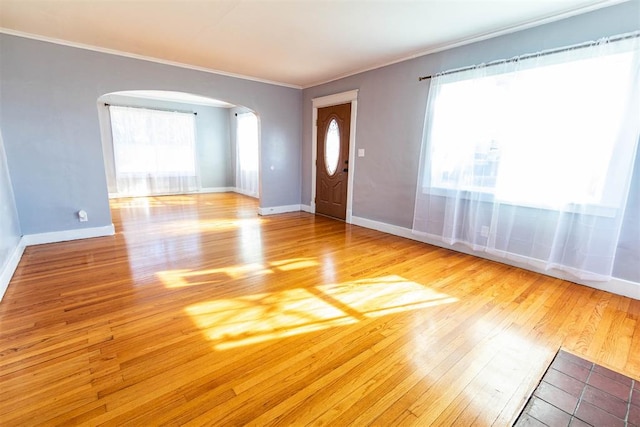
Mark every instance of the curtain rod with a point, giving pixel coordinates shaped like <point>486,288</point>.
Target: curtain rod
<point>532,55</point>
<point>195,113</point>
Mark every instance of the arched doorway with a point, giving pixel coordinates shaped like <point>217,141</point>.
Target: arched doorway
<point>161,142</point>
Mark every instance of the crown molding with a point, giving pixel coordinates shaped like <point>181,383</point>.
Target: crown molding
<point>67,43</point>
<point>481,37</point>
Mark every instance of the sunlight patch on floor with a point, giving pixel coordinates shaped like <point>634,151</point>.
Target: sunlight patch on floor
<point>219,224</point>
<point>385,295</point>
<point>294,264</point>
<point>262,317</point>
<point>183,278</point>
<point>146,202</point>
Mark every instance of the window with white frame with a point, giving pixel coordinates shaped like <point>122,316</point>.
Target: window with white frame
<point>532,159</point>
<point>541,132</point>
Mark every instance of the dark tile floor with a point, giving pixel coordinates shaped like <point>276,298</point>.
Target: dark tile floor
<point>576,392</point>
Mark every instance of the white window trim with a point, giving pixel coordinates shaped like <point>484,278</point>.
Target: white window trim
<point>326,101</point>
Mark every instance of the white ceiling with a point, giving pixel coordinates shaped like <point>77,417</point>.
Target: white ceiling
<point>293,42</point>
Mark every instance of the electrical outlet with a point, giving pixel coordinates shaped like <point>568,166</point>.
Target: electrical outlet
<point>484,231</point>
<point>82,216</point>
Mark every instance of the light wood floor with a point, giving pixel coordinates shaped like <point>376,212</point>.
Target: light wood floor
<point>198,311</point>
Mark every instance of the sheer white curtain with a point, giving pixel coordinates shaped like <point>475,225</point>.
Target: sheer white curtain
<point>247,154</point>
<point>532,159</point>
<point>154,151</point>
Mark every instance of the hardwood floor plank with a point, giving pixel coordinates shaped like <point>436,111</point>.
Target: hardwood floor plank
<point>302,384</point>
<point>200,312</point>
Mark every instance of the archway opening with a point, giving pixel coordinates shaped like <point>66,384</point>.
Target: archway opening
<point>162,142</point>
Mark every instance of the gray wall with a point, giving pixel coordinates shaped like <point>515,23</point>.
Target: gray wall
<point>49,117</point>
<point>391,108</point>
<point>9,227</point>
<point>213,146</point>
<point>215,158</point>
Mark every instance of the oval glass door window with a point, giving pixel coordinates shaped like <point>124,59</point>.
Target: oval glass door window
<point>332,147</point>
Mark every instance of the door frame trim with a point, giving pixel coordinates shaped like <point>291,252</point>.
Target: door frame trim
<point>327,101</point>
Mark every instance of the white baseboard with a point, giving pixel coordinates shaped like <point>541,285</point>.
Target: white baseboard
<point>243,192</point>
<point>41,238</point>
<point>66,235</point>
<point>306,208</point>
<point>217,190</point>
<point>384,227</point>
<point>615,286</point>
<point>278,210</point>
<point>10,267</point>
